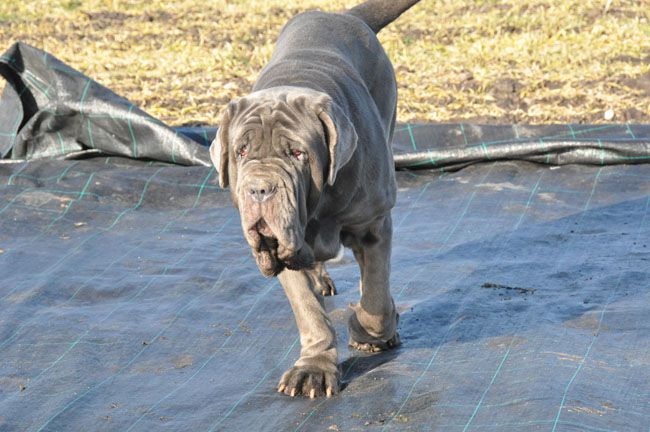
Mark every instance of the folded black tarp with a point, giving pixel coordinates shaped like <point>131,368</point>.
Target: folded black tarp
<point>49,110</point>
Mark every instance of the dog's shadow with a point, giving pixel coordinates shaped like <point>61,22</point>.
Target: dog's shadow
<point>359,364</point>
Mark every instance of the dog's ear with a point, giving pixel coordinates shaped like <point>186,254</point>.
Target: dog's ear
<point>219,147</point>
<point>340,136</point>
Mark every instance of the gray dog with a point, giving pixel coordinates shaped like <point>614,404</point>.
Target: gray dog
<point>308,159</point>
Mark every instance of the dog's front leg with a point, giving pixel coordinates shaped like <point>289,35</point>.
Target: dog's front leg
<point>315,373</point>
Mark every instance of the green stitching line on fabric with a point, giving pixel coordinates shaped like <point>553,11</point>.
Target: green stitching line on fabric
<point>14,175</point>
<point>419,378</point>
<point>37,84</point>
<point>198,195</point>
<point>530,199</point>
<point>432,159</point>
<point>135,144</point>
<point>15,135</point>
<point>584,131</point>
<point>478,406</point>
<point>553,137</point>
<point>69,206</point>
<point>313,411</point>
<point>205,137</point>
<point>138,204</point>
<point>14,199</point>
<point>421,163</point>
<point>573,132</point>
<point>635,157</point>
<point>63,173</point>
<point>90,133</point>
<point>60,138</point>
<point>83,97</point>
<point>462,130</point>
<point>602,152</point>
<point>548,154</point>
<point>593,189</point>
<point>410,131</point>
<point>500,426</point>
<point>416,126</point>
<point>485,151</point>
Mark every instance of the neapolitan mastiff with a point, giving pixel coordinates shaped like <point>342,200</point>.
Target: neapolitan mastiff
<point>308,160</point>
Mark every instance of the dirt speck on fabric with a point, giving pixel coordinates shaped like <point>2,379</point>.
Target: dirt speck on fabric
<point>183,361</point>
<point>517,289</point>
<point>506,341</point>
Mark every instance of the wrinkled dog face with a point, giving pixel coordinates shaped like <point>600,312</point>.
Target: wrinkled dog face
<point>276,149</point>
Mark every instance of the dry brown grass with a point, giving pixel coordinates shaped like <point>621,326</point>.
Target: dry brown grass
<point>529,61</point>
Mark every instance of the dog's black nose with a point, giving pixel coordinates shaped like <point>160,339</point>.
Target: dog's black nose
<point>261,190</point>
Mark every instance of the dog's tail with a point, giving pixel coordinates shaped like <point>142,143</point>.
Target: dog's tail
<point>379,13</point>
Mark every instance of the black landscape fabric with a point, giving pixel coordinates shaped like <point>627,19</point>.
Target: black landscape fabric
<point>129,300</point>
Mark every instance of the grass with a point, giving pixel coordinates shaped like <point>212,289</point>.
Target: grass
<point>527,61</point>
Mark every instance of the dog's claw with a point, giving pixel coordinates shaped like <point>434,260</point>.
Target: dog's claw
<point>311,382</point>
<point>327,286</point>
<point>281,388</point>
<point>329,292</point>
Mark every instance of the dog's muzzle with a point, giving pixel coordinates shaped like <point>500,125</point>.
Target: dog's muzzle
<point>271,222</point>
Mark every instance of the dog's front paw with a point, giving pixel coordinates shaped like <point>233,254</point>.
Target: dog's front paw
<point>309,381</point>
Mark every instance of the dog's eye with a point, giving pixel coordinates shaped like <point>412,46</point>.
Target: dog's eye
<point>297,154</point>
<point>242,152</point>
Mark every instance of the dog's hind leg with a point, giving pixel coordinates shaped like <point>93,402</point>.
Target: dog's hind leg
<point>373,323</point>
